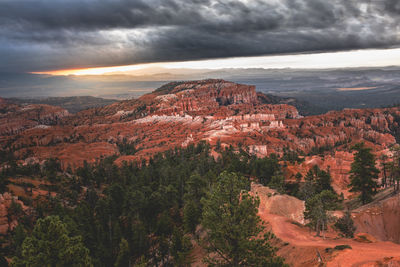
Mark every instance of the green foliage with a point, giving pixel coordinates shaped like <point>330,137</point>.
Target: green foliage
<point>126,148</point>
<point>346,225</point>
<point>265,168</point>
<point>342,247</point>
<point>181,249</point>
<point>18,237</point>
<point>316,181</point>
<point>3,183</point>
<point>291,156</point>
<point>191,216</point>
<point>149,211</point>
<point>278,182</point>
<point>322,179</point>
<point>363,173</point>
<point>234,230</point>
<point>319,150</point>
<point>13,169</point>
<point>123,258</point>
<point>50,169</point>
<point>15,209</point>
<point>317,207</point>
<point>51,245</point>
<point>394,168</point>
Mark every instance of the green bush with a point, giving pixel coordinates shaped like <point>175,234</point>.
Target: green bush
<point>346,225</point>
<point>342,247</point>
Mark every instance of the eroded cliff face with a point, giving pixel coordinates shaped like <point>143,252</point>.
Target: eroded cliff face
<point>17,118</point>
<point>381,219</point>
<point>283,205</point>
<point>219,112</point>
<point>182,113</point>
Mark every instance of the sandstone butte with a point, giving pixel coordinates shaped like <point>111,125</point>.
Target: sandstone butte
<point>216,111</point>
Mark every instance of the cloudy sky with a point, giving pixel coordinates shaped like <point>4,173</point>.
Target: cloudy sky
<point>43,35</point>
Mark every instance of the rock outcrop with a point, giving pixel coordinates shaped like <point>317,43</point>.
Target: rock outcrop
<point>381,219</point>
<point>283,205</point>
<point>17,118</point>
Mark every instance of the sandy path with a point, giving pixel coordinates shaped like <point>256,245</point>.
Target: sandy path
<point>361,254</point>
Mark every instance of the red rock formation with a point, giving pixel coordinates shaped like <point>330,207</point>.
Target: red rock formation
<point>8,223</point>
<point>181,113</point>
<point>380,219</point>
<point>283,205</point>
<point>16,118</point>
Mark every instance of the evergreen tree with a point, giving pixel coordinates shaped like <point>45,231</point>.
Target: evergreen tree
<point>181,249</point>
<point>363,173</point>
<point>346,225</point>
<point>317,207</point>
<point>123,258</point>
<point>321,179</point>
<point>191,216</point>
<point>234,230</point>
<point>385,166</point>
<point>395,167</point>
<point>278,182</point>
<point>316,181</point>
<point>51,245</point>
<point>307,190</point>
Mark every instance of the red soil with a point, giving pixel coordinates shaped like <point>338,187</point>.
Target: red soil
<point>303,245</point>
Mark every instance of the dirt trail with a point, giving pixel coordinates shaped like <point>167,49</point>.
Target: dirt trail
<point>361,254</point>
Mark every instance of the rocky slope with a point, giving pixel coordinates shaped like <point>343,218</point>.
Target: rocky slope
<point>221,113</point>
<point>15,118</point>
<point>181,113</point>
<point>283,205</point>
<point>380,219</point>
<point>301,248</point>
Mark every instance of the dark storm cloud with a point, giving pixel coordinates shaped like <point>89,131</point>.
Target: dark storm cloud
<point>57,34</point>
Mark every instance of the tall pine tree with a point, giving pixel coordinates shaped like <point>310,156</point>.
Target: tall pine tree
<point>234,230</point>
<point>363,173</point>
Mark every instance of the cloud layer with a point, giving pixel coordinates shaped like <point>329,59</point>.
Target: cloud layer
<point>37,35</point>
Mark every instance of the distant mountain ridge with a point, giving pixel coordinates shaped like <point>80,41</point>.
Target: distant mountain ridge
<point>321,88</point>
<point>71,103</point>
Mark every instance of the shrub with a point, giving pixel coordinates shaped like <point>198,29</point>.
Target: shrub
<point>342,247</point>
<point>346,225</point>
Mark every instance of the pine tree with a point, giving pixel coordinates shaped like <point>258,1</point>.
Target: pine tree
<point>346,225</point>
<point>123,258</point>
<point>317,207</point>
<point>395,167</point>
<point>278,182</point>
<point>363,173</point>
<point>234,230</point>
<point>51,245</point>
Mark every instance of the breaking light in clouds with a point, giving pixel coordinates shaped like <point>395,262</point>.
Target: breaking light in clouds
<point>348,59</point>
<point>42,35</point>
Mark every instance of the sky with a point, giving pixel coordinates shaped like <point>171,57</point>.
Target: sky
<point>52,35</point>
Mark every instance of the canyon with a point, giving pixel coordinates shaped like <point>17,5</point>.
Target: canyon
<point>180,113</point>
<point>222,114</point>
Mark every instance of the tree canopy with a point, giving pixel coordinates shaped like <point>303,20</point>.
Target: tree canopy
<point>363,173</point>
<point>234,230</point>
<point>141,213</point>
<point>51,245</point>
